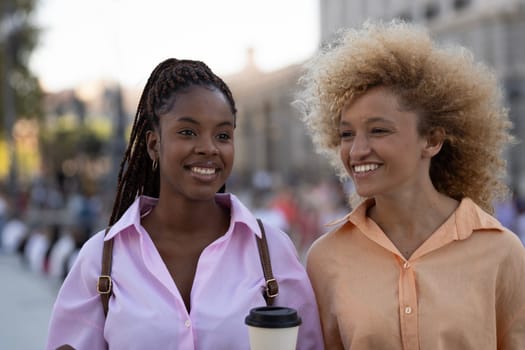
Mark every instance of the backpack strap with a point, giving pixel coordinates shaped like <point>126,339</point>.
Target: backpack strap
<point>104,283</point>
<point>272,287</point>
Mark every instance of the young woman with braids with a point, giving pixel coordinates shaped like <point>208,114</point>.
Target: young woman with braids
<point>186,268</point>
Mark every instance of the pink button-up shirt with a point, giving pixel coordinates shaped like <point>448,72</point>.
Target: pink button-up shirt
<point>146,310</point>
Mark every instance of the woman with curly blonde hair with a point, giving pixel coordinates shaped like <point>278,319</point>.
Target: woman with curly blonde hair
<point>419,263</point>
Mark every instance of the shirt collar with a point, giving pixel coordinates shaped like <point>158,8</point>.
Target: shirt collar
<point>240,214</point>
<point>132,215</point>
<point>469,217</point>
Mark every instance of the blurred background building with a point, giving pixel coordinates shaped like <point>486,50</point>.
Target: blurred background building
<point>271,139</point>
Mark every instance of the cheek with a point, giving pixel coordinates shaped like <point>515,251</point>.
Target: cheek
<point>228,152</point>
<point>344,151</point>
<point>344,155</point>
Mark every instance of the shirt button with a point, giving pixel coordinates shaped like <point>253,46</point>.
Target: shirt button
<point>187,323</point>
<point>408,310</point>
<point>406,265</point>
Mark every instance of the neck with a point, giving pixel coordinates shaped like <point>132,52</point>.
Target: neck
<point>414,214</point>
<point>185,217</point>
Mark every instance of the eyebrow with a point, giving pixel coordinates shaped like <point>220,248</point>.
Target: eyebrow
<point>193,121</point>
<point>370,120</point>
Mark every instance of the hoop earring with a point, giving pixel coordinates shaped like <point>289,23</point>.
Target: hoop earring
<point>154,165</point>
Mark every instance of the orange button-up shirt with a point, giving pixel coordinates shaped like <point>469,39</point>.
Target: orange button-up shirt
<point>463,288</point>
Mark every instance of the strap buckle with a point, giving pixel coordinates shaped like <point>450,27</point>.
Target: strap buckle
<point>104,284</point>
<point>272,288</point>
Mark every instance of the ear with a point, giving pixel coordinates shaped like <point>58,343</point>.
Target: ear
<point>152,144</point>
<point>434,142</point>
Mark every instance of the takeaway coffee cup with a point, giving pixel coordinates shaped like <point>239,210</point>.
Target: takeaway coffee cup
<point>273,327</point>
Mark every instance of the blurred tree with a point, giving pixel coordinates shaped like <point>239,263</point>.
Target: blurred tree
<point>81,144</point>
<point>18,38</point>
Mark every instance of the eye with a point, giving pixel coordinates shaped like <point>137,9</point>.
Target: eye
<point>346,134</point>
<point>224,136</point>
<point>379,131</point>
<point>187,132</point>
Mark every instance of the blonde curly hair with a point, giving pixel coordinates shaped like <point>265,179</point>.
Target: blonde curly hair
<point>443,84</point>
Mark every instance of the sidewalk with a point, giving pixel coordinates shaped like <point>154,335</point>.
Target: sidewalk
<point>26,300</point>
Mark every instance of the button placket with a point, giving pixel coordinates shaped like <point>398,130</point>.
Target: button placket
<point>408,305</point>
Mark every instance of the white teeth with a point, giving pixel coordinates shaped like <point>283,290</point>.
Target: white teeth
<point>365,167</point>
<point>203,171</point>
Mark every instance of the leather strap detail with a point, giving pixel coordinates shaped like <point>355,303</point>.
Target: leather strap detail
<point>272,287</point>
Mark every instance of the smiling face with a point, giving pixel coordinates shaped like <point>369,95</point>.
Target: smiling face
<point>380,145</point>
<point>194,143</point>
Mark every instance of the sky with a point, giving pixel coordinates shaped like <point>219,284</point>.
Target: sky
<point>123,40</point>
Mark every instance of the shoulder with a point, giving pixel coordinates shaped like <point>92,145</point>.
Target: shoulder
<point>278,239</point>
<point>510,245</point>
<point>501,241</point>
<point>332,239</point>
<point>503,249</point>
<point>81,279</point>
<point>93,245</point>
<point>326,250</point>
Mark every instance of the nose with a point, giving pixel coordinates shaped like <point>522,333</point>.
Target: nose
<point>206,146</point>
<point>360,147</point>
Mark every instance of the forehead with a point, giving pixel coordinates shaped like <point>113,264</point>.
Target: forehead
<point>204,96</point>
<point>374,99</point>
<point>199,101</point>
<point>378,103</point>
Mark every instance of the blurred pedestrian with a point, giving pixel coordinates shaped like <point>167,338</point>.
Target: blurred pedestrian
<point>186,268</point>
<point>419,263</point>
<point>36,247</point>
<point>60,253</point>
<point>15,233</point>
<point>4,211</point>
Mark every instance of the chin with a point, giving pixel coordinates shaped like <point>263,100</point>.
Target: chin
<point>200,194</point>
<point>365,193</point>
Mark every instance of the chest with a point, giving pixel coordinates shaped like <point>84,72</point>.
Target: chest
<point>181,261</point>
<point>148,288</point>
<point>181,269</point>
<point>384,303</point>
<point>407,245</point>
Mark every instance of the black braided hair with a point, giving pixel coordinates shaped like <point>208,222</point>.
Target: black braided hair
<point>136,176</point>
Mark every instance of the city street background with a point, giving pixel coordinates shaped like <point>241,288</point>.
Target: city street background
<point>26,300</point>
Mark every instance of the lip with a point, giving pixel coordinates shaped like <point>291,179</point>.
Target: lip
<point>203,164</point>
